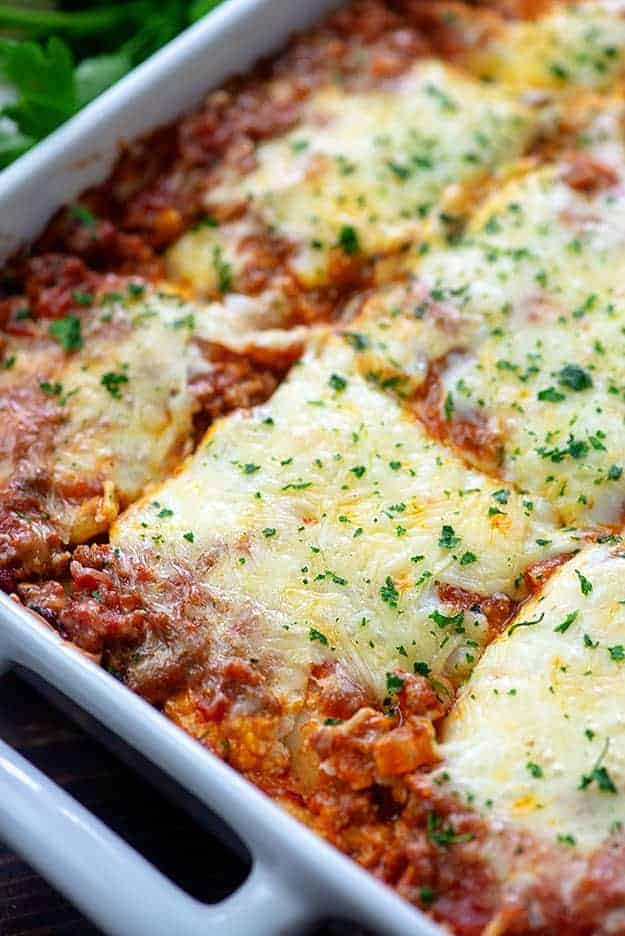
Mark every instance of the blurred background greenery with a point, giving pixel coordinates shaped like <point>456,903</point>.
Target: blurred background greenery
<point>56,57</point>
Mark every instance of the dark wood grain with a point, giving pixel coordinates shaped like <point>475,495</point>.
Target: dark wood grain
<point>123,799</point>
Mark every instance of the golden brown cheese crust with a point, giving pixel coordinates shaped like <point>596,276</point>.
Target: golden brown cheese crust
<point>314,593</point>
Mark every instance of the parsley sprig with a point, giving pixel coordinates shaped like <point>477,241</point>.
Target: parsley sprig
<point>57,60</point>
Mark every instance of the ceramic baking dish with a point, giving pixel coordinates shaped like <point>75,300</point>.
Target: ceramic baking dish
<point>296,878</point>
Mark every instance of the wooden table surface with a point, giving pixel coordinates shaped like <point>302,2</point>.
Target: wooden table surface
<point>121,798</point>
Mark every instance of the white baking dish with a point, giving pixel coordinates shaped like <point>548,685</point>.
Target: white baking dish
<point>296,877</point>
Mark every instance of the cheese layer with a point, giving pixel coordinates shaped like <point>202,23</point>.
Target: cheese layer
<point>524,318</point>
<point>125,397</point>
<point>363,173</point>
<point>329,518</point>
<point>576,46</point>
<point>538,735</point>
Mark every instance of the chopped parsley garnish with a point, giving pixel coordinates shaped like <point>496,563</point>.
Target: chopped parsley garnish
<point>82,298</point>
<point>51,389</point>
<point>448,538</point>
<point>317,635</point>
<point>67,331</point>
<point>427,896</point>
<point>421,668</point>
<point>269,531</point>
<point>567,840</point>
<point>551,395</point>
<point>337,383</point>
<point>585,585</point>
<point>394,683</point>
<point>444,835</point>
<point>250,468</point>
<point>566,623</point>
<point>348,240</point>
<point>599,774</point>
<point>205,221</point>
<point>83,215</point>
<point>467,558</point>
<point>574,448</point>
<point>388,592</point>
<point>574,377</point>
<point>444,620</point>
<point>112,381</point>
<point>402,172</point>
<point>186,321</point>
<point>526,624</point>
<point>357,341</point>
<point>189,536</point>
<point>614,472</point>
<point>617,653</point>
<point>223,270</point>
<point>535,769</point>
<point>136,290</point>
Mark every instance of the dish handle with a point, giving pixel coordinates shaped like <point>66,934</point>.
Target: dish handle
<point>113,884</point>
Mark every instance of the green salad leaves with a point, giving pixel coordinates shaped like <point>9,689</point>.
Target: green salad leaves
<point>53,61</point>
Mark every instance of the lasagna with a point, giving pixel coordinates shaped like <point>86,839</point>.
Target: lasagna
<point>313,434</point>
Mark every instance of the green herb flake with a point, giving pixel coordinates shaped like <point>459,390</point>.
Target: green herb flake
<point>389,593</point>
<point>67,331</point>
<point>526,624</point>
<point>551,395</point>
<point>314,634</point>
<point>599,774</point>
<point>112,381</point>
<point>51,389</point>
<point>585,585</point>
<point>467,558</point>
<point>394,683</point>
<point>566,623</point>
<point>337,383</point>
<point>348,240</point>
<point>574,377</point>
<point>445,620</point>
<point>444,835</point>
<point>83,215</point>
<point>448,538</point>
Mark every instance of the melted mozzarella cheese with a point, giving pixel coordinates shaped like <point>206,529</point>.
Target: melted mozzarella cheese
<point>538,735</point>
<point>328,518</point>
<point>363,172</point>
<point>400,331</point>
<point>525,320</point>
<point>127,411</point>
<point>571,46</point>
<point>208,259</point>
<point>126,398</point>
<point>545,266</point>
